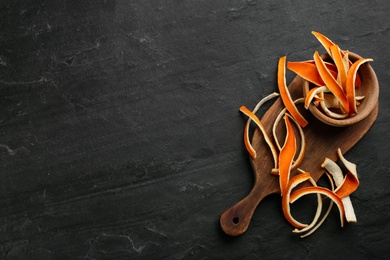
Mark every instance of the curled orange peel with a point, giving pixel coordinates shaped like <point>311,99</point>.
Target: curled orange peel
<point>295,181</point>
<point>327,44</point>
<point>348,186</point>
<point>331,83</point>
<point>247,141</point>
<point>286,156</point>
<point>300,227</point>
<point>351,180</point>
<point>285,94</point>
<point>337,175</point>
<point>321,190</point>
<point>351,81</point>
<point>318,223</point>
<point>257,121</point>
<point>327,111</point>
<point>315,222</point>
<point>308,70</point>
<point>299,158</point>
<point>312,94</point>
<point>339,62</point>
<point>325,41</point>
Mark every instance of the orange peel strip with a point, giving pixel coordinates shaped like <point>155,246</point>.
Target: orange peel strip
<point>286,199</point>
<point>325,41</point>
<point>348,186</point>
<point>338,60</point>
<point>330,194</point>
<point>312,230</point>
<point>351,180</point>
<point>312,94</point>
<point>330,82</point>
<point>286,156</point>
<point>359,98</point>
<point>247,141</point>
<point>327,111</point>
<point>297,161</point>
<point>349,165</point>
<point>317,100</point>
<point>257,121</point>
<point>318,211</point>
<point>338,177</point>
<point>308,71</point>
<point>350,83</point>
<point>285,94</point>
<point>346,62</point>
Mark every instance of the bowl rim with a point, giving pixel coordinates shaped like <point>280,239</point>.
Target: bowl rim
<point>374,95</point>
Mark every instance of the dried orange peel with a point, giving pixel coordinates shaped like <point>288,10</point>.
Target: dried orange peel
<point>247,141</point>
<point>257,121</point>
<point>286,156</point>
<point>295,181</point>
<point>314,93</point>
<point>325,41</point>
<point>289,149</point>
<point>302,150</point>
<point>326,103</point>
<point>350,83</point>
<point>316,221</point>
<point>340,78</point>
<point>330,82</point>
<point>339,180</point>
<point>308,70</point>
<point>342,68</point>
<point>351,180</point>
<point>288,185</point>
<point>335,94</point>
<point>320,190</point>
<point>285,94</point>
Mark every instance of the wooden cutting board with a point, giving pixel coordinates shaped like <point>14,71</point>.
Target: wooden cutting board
<point>322,141</point>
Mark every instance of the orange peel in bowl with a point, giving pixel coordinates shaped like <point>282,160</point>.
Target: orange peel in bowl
<point>330,82</point>
<point>308,70</point>
<point>350,83</point>
<point>364,98</point>
<point>348,78</point>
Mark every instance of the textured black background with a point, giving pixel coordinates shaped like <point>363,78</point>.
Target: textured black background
<point>120,136</point>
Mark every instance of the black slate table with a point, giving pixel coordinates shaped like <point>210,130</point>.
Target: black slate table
<point>120,135</point>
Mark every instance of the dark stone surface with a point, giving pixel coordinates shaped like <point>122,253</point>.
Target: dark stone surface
<point>120,136</point>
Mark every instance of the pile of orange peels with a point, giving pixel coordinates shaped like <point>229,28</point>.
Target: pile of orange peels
<point>334,91</point>
<point>335,82</point>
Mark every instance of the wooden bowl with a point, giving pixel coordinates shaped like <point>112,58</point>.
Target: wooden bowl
<point>369,88</point>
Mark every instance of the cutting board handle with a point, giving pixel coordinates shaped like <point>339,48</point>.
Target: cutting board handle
<point>235,220</point>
